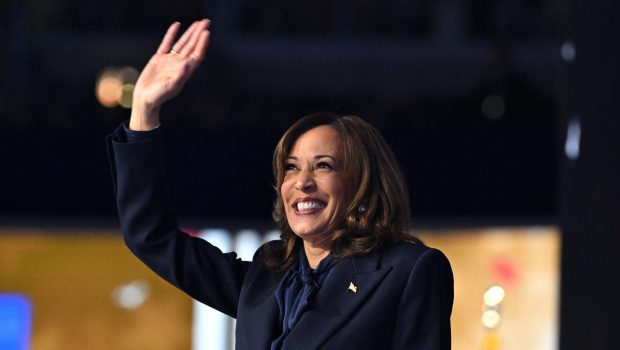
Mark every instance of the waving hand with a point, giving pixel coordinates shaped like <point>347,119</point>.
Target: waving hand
<point>165,74</point>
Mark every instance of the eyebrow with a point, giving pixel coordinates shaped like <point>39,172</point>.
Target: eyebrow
<point>319,156</point>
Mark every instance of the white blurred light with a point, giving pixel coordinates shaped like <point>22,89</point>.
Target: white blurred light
<point>493,106</point>
<point>219,237</point>
<point>573,138</point>
<point>273,235</point>
<point>493,296</point>
<point>567,51</point>
<point>209,326</point>
<point>131,295</point>
<point>246,243</point>
<point>491,319</point>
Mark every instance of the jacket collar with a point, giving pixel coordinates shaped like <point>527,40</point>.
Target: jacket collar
<point>349,283</point>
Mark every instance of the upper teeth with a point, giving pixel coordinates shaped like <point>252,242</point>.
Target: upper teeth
<point>309,205</point>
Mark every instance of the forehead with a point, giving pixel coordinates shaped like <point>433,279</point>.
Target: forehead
<point>319,140</point>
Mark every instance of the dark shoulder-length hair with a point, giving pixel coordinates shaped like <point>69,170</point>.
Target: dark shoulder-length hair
<point>379,211</point>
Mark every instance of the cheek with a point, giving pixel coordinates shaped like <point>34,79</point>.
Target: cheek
<point>347,193</point>
<point>285,189</point>
<point>342,193</point>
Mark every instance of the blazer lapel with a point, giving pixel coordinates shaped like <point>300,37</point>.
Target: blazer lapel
<point>350,283</point>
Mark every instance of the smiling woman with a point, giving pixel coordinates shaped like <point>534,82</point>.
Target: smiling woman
<point>315,192</point>
<point>341,191</point>
<point>346,273</point>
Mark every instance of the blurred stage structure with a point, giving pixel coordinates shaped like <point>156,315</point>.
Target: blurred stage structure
<point>589,196</point>
<point>89,292</point>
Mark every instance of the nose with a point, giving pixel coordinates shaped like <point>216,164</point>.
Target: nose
<point>305,181</point>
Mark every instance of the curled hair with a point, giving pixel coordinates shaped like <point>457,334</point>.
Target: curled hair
<point>378,183</point>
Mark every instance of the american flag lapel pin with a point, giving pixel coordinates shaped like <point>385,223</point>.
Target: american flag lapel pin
<point>352,288</point>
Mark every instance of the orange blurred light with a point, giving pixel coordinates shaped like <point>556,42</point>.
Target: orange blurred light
<point>108,89</point>
<point>115,86</point>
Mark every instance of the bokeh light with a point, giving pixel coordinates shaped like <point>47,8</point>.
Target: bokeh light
<point>115,86</point>
<point>129,75</point>
<point>491,319</point>
<point>573,138</point>
<point>493,107</point>
<point>131,295</point>
<point>126,95</point>
<point>108,88</point>
<point>568,51</point>
<point>493,296</point>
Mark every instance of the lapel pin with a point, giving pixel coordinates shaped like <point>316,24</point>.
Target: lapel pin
<point>352,288</point>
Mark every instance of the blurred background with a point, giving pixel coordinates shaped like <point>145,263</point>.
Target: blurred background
<point>503,115</point>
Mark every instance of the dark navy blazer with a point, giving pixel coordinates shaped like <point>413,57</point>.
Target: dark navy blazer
<point>404,292</point>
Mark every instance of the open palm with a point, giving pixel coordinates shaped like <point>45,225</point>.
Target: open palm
<point>165,74</point>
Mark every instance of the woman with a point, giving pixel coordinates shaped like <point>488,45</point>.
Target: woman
<point>345,275</point>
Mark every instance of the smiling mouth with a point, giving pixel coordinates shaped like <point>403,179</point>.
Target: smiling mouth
<point>308,206</point>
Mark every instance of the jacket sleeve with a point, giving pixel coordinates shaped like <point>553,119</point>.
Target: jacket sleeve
<point>423,321</point>
<point>151,232</point>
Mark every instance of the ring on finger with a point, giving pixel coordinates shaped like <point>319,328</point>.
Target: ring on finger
<point>174,52</point>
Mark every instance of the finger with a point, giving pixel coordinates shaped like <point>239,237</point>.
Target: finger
<point>191,44</point>
<point>201,47</point>
<point>196,57</point>
<point>178,46</point>
<point>166,43</point>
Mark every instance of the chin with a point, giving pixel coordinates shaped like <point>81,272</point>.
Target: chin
<point>305,232</point>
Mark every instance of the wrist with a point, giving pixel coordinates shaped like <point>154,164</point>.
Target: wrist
<point>143,118</point>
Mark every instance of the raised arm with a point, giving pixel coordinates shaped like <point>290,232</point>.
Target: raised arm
<point>148,223</point>
<point>165,74</point>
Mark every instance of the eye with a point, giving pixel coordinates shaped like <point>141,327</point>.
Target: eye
<point>290,167</point>
<point>323,165</point>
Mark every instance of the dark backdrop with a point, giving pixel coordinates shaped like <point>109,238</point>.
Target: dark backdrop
<point>420,71</point>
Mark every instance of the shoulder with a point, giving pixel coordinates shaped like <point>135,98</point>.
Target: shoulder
<point>260,276</point>
<point>264,253</point>
<point>268,248</point>
<point>419,272</point>
<point>408,257</point>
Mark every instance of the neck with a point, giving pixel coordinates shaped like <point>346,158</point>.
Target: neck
<point>315,253</point>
